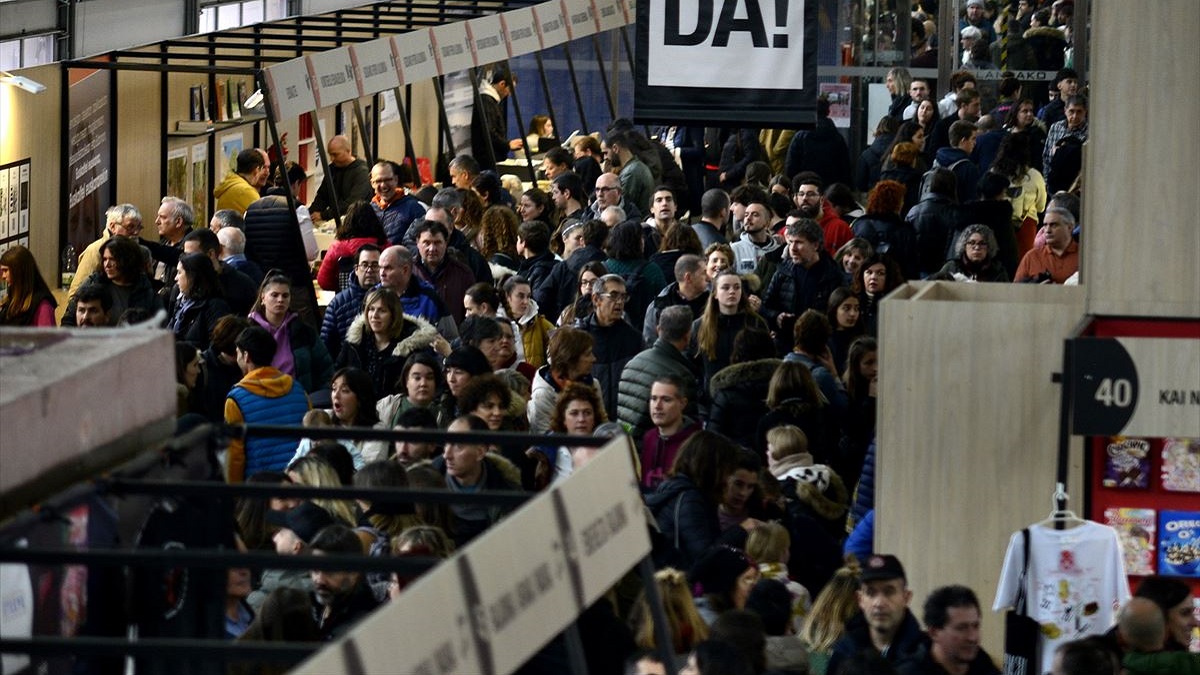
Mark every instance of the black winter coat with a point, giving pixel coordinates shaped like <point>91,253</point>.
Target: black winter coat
<point>891,235</point>
<point>561,285</point>
<point>687,519</point>
<point>727,329</point>
<point>194,325</point>
<point>536,269</point>
<point>739,397</point>
<point>614,346</point>
<point>870,163</point>
<point>935,219</point>
<point>273,241</point>
<point>822,150</point>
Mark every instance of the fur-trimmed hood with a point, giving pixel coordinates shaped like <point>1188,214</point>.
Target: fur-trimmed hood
<point>497,464</point>
<point>760,370</point>
<point>1046,32</point>
<point>830,504</point>
<point>421,338</point>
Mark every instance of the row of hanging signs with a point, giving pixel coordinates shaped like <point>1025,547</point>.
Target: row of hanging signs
<point>327,78</point>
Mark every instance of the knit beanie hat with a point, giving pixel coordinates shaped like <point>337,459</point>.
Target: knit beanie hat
<point>718,570</point>
<point>469,359</point>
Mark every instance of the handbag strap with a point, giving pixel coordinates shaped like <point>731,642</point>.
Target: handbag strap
<point>1021,605</point>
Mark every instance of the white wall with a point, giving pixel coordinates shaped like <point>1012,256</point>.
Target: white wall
<point>105,25</point>
<point>28,16</point>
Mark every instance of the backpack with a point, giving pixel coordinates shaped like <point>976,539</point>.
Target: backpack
<point>927,178</point>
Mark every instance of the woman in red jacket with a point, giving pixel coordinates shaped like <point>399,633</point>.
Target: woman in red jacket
<point>359,226</point>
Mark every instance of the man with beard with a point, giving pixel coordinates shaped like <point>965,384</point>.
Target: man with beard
<point>93,304</point>
<point>808,187</point>
<point>340,598</point>
<point>756,240</point>
<point>952,620</point>
<point>884,625</point>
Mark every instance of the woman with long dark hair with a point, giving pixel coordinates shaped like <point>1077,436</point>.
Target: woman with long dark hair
<point>360,225</point>
<point>727,312</point>
<point>199,304</point>
<point>123,273</point>
<point>1027,187</point>
<point>29,301</point>
<point>845,318</point>
<point>877,276</point>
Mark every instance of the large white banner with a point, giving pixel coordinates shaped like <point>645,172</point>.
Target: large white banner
<point>743,44</point>
<point>726,62</point>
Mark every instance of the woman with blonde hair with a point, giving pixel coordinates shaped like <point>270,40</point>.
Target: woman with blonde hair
<point>835,604</point>
<point>684,623</point>
<point>313,471</point>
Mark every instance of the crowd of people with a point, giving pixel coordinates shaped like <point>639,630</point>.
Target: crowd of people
<point>714,294</point>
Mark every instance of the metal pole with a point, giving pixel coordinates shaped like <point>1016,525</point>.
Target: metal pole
<point>443,120</point>
<point>575,86</point>
<point>366,132</point>
<point>546,94</point>
<point>409,150</point>
<point>612,106</point>
<point>624,30</point>
<point>512,95</point>
<point>575,653</point>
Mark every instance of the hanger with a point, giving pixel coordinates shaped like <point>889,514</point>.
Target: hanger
<point>1061,517</point>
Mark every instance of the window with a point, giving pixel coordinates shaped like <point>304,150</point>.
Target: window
<point>226,15</point>
<point>26,52</point>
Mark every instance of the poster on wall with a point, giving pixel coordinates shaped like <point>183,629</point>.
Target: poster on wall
<point>177,174</point>
<point>14,204</point>
<point>231,145</point>
<point>88,166</point>
<point>1179,543</point>
<point>199,199</point>
<point>759,59</point>
<point>1127,463</point>
<point>838,95</point>
<point>1135,527</point>
<point>1181,465</point>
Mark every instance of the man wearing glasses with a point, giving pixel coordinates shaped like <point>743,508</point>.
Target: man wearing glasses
<point>608,193</point>
<point>615,340</point>
<point>347,304</point>
<point>396,208</point>
<point>122,220</point>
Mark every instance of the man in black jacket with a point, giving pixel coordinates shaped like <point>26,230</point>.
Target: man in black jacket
<point>884,625</point>
<point>616,342</point>
<point>489,126</point>
<point>805,279</point>
<point>340,598</point>
<point>533,245</point>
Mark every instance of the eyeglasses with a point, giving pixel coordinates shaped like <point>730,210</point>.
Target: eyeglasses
<point>368,265</point>
<point>615,296</point>
<point>977,244</point>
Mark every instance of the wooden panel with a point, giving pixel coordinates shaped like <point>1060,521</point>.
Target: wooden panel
<point>30,127</point>
<point>138,149</point>
<point>1140,238</point>
<point>968,428</point>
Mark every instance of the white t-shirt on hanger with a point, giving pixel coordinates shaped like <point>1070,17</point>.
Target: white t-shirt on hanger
<point>1075,584</point>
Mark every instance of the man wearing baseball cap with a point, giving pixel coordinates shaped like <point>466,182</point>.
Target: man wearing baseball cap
<point>297,527</point>
<point>884,623</point>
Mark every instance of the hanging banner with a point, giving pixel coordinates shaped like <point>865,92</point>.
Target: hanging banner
<point>373,66</point>
<point>291,89</point>
<point>1141,387</point>
<point>551,24</point>
<point>610,14</point>
<point>332,75</point>
<point>414,56</point>
<point>508,593</point>
<point>758,56</point>
<point>488,41</point>
<point>452,47</point>
<point>521,32</point>
<point>89,158</point>
<point>581,18</point>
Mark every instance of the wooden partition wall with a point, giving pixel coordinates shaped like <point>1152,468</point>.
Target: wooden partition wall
<point>1141,210</point>
<point>968,429</point>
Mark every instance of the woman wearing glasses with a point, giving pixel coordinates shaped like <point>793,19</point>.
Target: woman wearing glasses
<point>974,258</point>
